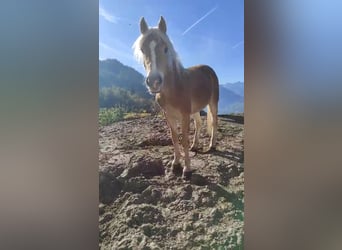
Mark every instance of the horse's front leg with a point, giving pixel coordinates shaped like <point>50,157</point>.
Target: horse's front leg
<point>174,135</point>
<point>185,143</point>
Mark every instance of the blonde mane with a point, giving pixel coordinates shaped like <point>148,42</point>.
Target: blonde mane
<point>173,57</point>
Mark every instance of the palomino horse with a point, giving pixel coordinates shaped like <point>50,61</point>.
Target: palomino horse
<point>181,92</point>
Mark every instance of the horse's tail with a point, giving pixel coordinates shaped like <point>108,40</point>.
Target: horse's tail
<point>215,83</point>
<point>212,107</point>
<point>213,101</point>
<point>209,121</point>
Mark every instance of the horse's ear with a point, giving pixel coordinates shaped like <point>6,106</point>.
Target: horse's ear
<point>143,25</point>
<point>162,24</point>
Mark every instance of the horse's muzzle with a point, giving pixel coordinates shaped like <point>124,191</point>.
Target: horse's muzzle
<point>154,83</point>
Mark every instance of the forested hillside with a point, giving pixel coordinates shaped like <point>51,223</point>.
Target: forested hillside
<point>122,86</point>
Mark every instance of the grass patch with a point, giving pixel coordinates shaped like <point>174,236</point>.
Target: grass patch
<point>108,116</point>
<point>134,115</point>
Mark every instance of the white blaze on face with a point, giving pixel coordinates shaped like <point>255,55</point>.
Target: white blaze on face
<point>154,71</point>
<point>153,56</point>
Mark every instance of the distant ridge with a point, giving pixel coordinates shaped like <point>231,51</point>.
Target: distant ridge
<point>230,102</point>
<point>114,73</point>
<point>237,87</point>
<point>124,79</point>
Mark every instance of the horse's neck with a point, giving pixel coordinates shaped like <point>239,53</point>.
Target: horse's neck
<point>174,83</point>
<point>174,78</point>
<point>175,92</point>
<point>177,67</point>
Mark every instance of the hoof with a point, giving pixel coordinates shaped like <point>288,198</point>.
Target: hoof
<point>187,175</point>
<point>177,169</point>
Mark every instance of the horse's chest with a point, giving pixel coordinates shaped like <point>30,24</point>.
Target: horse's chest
<point>172,111</point>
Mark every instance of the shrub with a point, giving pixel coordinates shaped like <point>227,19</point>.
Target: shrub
<point>110,115</point>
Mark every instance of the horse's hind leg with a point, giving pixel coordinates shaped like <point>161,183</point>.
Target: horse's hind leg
<point>212,124</point>
<point>198,124</point>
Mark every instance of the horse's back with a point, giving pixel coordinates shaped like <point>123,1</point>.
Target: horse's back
<point>204,86</point>
<point>204,76</point>
<point>214,80</point>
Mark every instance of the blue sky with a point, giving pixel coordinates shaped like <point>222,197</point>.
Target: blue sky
<point>203,32</point>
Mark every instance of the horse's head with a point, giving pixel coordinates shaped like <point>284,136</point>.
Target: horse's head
<point>154,49</point>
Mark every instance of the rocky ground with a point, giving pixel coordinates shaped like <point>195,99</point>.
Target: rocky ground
<point>143,205</point>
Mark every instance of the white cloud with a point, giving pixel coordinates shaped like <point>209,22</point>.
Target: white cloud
<point>238,44</point>
<point>107,16</point>
<point>199,20</point>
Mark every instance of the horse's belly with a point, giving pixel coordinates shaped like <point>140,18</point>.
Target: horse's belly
<point>198,105</point>
<point>200,99</point>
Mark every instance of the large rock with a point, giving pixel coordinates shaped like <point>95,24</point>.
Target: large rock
<point>144,166</point>
<point>109,187</point>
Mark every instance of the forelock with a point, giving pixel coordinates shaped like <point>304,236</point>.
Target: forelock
<point>137,45</point>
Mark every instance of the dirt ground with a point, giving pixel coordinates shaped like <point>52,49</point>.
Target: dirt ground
<point>143,205</point>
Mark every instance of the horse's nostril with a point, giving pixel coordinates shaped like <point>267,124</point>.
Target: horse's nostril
<point>154,81</point>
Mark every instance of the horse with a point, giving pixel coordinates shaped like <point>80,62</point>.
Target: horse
<point>180,92</point>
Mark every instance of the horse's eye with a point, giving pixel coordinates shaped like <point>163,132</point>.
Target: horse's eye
<point>165,50</point>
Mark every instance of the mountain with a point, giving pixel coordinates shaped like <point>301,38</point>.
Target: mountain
<point>237,87</point>
<point>123,86</point>
<point>230,102</point>
<point>114,73</point>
